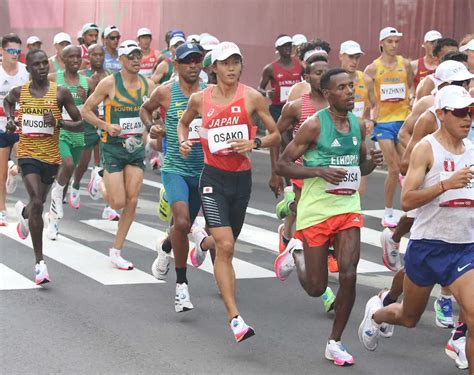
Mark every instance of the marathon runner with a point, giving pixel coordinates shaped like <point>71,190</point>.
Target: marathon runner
<point>60,41</point>
<point>426,65</point>
<point>111,39</point>
<point>39,118</point>
<point>33,42</point>
<point>150,56</point>
<point>90,36</point>
<point>228,134</point>
<point>332,144</point>
<point>164,70</point>
<point>122,148</point>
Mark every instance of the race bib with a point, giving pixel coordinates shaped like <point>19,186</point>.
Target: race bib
<point>3,124</point>
<point>218,138</point>
<point>131,126</point>
<point>34,126</point>
<point>358,110</point>
<point>284,91</point>
<point>194,128</point>
<point>100,109</point>
<point>392,92</point>
<point>65,113</point>
<point>457,197</point>
<point>349,184</point>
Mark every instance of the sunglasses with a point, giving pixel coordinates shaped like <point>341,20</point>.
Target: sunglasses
<point>461,112</point>
<point>191,60</point>
<point>114,37</point>
<point>13,51</point>
<point>135,56</point>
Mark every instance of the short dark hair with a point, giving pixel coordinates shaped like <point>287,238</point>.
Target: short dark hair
<point>455,56</point>
<point>10,38</point>
<point>325,81</point>
<point>31,53</point>
<point>313,59</point>
<point>443,42</point>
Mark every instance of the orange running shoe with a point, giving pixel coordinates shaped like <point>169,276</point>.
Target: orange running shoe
<point>332,264</point>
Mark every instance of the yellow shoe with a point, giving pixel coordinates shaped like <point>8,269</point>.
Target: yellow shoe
<point>164,209</point>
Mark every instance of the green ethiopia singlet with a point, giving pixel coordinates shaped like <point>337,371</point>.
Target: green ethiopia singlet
<point>321,200</point>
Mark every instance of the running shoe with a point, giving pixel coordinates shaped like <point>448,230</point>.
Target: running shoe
<point>456,349</point>
<point>400,179</point>
<point>197,255</point>
<point>182,301</point>
<point>155,162</point>
<point>51,226</point>
<point>328,298</point>
<point>93,187</point>
<point>164,209</point>
<point>333,267</point>
<point>74,199</point>
<point>110,214</point>
<point>337,353</point>
<point>3,219</point>
<point>118,261</point>
<point>369,330</point>
<point>284,263</point>
<point>283,207</point>
<point>444,312</point>
<point>240,329</point>
<point>281,243</point>
<point>41,273</point>
<point>161,265</point>
<point>22,228</point>
<point>389,221</point>
<point>386,330</point>
<point>57,201</point>
<point>391,250</point>
<point>12,179</point>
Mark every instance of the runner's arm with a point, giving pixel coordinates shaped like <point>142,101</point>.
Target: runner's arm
<point>160,71</point>
<point>406,130</point>
<point>192,111</point>
<point>424,88</point>
<point>370,72</point>
<point>376,159</point>
<point>9,105</point>
<point>261,109</point>
<point>410,77</point>
<point>267,75</point>
<point>369,83</point>
<point>52,77</point>
<point>65,100</point>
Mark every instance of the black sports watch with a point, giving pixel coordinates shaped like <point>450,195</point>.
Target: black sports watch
<point>258,143</point>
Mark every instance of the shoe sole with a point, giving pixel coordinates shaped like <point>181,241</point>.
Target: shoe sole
<point>184,309</point>
<point>276,266</point>
<point>250,332</point>
<point>123,268</point>
<point>451,353</point>
<point>44,281</point>
<point>20,233</point>
<point>192,257</point>
<point>329,357</point>
<point>155,274</point>
<point>361,328</point>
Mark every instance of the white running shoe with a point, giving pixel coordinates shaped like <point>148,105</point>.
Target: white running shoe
<point>391,250</point>
<point>386,330</point>
<point>240,329</point>
<point>456,349</point>
<point>118,261</point>
<point>285,263</point>
<point>57,201</point>
<point>197,255</point>
<point>3,219</point>
<point>110,214</point>
<point>389,221</point>
<point>74,199</point>
<point>22,228</point>
<point>369,330</point>
<point>337,353</point>
<point>93,187</point>
<point>51,224</point>
<point>41,273</point>
<point>182,301</point>
<point>161,265</point>
<point>12,180</point>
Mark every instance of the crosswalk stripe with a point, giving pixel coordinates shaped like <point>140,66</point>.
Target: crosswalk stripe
<point>85,260</point>
<point>146,236</point>
<point>12,280</point>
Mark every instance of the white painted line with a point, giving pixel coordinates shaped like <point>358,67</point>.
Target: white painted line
<point>147,237</point>
<point>85,260</point>
<point>12,280</point>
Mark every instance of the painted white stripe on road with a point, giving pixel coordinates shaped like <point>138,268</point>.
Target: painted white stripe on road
<point>85,260</point>
<point>147,237</point>
<point>12,280</point>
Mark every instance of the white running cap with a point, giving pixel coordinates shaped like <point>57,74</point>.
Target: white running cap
<point>88,27</point>
<point>209,42</point>
<point>453,97</point>
<point>176,39</point>
<point>316,51</point>
<point>467,47</point>
<point>432,35</point>
<point>387,32</point>
<point>225,50</point>
<point>283,40</point>
<point>110,29</point>
<point>127,47</point>
<point>349,47</point>
<point>193,37</point>
<point>449,71</point>
<point>33,39</point>
<point>298,39</point>
<point>62,37</point>
<point>143,31</point>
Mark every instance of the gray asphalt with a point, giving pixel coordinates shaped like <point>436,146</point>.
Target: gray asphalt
<point>75,325</point>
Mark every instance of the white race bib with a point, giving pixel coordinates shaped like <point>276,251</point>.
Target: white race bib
<point>65,114</point>
<point>194,128</point>
<point>100,108</point>
<point>34,126</point>
<point>3,124</point>
<point>131,126</point>
<point>284,91</point>
<point>349,184</point>
<point>218,138</point>
<point>392,92</point>
<point>358,110</point>
<point>457,197</point>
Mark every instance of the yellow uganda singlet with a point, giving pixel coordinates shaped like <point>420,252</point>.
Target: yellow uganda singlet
<point>391,91</point>
<point>361,95</point>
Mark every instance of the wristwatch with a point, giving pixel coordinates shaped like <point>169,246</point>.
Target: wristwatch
<point>60,124</point>
<point>258,143</point>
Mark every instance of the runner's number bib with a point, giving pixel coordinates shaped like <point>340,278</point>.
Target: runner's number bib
<point>349,184</point>
<point>219,138</point>
<point>131,126</point>
<point>194,128</point>
<point>284,91</point>
<point>34,126</point>
<point>392,92</point>
<point>65,113</point>
<point>457,197</point>
<point>358,110</point>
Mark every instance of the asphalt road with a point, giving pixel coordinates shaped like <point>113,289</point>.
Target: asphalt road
<point>93,319</point>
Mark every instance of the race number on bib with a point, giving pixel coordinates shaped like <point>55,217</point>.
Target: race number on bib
<point>131,126</point>
<point>349,184</point>
<point>284,91</point>
<point>393,92</point>
<point>100,109</point>
<point>34,126</point>
<point>218,138</point>
<point>194,128</point>
<point>457,197</point>
<point>358,110</point>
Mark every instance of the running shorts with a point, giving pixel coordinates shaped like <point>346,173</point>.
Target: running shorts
<point>297,182</point>
<point>66,150</point>
<point>275,111</point>
<point>91,137</point>
<point>114,157</point>
<point>46,171</point>
<point>387,131</point>
<point>7,139</point>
